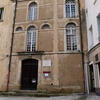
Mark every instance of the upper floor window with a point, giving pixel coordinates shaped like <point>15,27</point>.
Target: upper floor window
<point>1,13</point>
<point>33,11</point>
<point>71,37</point>
<point>46,27</point>
<point>98,22</point>
<point>31,39</point>
<point>91,37</point>
<point>70,8</point>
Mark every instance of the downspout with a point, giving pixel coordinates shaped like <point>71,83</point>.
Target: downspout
<point>11,47</point>
<point>80,21</point>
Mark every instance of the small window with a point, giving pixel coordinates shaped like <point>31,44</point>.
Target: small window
<point>1,13</point>
<point>45,27</point>
<point>19,29</point>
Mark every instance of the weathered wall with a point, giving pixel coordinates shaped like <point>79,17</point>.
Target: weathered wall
<point>66,71</point>
<point>5,38</point>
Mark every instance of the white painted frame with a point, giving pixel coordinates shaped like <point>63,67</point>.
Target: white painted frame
<point>91,63</point>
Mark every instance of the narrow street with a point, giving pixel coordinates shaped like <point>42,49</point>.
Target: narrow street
<point>73,97</point>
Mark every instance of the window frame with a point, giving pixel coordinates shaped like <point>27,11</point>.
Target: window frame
<point>98,26</point>
<point>31,41</point>
<point>71,13</point>
<point>74,38</point>
<point>32,9</point>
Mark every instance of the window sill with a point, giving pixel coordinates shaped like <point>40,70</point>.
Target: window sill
<point>72,17</point>
<point>76,51</point>
<point>30,52</point>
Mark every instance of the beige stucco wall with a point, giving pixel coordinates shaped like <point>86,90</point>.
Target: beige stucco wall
<point>5,38</point>
<point>64,64</point>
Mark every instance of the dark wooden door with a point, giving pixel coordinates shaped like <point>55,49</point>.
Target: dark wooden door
<point>29,74</point>
<point>92,78</point>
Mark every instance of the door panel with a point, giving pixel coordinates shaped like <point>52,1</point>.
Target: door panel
<point>92,78</point>
<point>29,74</point>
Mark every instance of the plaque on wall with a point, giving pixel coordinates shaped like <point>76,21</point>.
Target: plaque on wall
<point>46,63</point>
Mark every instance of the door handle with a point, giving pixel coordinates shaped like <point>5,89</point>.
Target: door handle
<point>33,81</point>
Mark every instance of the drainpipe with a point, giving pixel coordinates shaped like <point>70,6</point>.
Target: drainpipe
<point>11,47</point>
<point>81,41</point>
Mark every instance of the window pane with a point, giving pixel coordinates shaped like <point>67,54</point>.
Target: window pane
<point>73,10</point>
<point>67,10</point>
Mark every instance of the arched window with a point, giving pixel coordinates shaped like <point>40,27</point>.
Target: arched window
<point>19,29</point>
<point>33,11</point>
<point>46,26</point>
<point>70,8</point>
<point>31,38</point>
<point>71,37</point>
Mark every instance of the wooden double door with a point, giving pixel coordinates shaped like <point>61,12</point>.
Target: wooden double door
<point>92,78</point>
<point>29,77</point>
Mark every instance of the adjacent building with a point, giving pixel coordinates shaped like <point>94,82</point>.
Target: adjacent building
<point>49,45</point>
<point>6,23</point>
<point>93,29</point>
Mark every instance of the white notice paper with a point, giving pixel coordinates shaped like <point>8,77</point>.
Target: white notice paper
<point>46,63</point>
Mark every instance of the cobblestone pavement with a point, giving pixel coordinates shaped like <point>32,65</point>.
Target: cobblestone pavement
<point>73,97</point>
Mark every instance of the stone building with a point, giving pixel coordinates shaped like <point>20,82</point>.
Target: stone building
<point>93,30</point>
<point>49,46</point>
<point>6,22</point>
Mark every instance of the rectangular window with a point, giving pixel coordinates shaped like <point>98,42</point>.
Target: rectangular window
<point>70,10</point>
<point>98,21</point>
<point>99,69</point>
<point>31,40</point>
<point>1,13</point>
<point>33,13</point>
<point>71,39</point>
<point>90,37</point>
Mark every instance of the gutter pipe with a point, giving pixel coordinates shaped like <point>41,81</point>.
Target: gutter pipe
<point>81,42</point>
<point>11,48</point>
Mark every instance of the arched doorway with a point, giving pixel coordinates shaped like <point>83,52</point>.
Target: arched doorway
<point>29,76</point>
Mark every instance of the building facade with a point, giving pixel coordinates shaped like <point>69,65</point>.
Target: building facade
<point>93,29</point>
<point>6,23</point>
<point>49,46</point>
